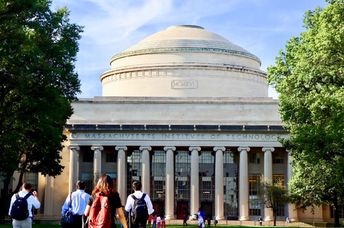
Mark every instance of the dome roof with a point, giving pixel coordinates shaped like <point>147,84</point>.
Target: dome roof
<point>184,61</point>
<point>185,38</point>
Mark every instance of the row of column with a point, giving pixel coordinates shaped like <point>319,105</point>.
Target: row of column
<point>194,181</point>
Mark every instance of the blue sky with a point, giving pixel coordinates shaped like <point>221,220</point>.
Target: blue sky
<point>260,26</point>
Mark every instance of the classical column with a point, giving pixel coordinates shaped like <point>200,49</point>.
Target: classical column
<point>268,213</point>
<point>73,166</point>
<point>194,182</point>
<point>145,175</point>
<point>122,173</point>
<point>42,183</point>
<point>243,184</point>
<point>292,212</point>
<point>49,196</point>
<point>97,162</point>
<point>169,189</point>
<point>219,185</point>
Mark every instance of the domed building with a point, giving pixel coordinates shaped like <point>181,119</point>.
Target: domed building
<point>186,112</point>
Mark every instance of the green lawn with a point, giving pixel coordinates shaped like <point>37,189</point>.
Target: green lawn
<point>169,226</point>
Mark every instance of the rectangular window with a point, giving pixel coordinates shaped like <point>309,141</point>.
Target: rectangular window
<point>110,156</point>
<point>255,205</point>
<point>182,175</point>
<point>158,173</point>
<point>254,158</point>
<point>277,160</point>
<point>279,179</point>
<point>86,153</point>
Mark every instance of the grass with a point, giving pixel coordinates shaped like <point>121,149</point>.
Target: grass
<point>168,226</point>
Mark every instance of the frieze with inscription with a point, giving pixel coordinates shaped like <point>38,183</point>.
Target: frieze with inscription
<point>179,136</point>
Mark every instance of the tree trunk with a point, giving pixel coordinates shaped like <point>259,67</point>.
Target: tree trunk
<point>275,215</point>
<point>20,182</point>
<point>335,210</point>
<point>5,198</point>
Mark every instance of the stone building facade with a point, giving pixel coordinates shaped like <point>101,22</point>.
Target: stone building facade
<point>186,112</point>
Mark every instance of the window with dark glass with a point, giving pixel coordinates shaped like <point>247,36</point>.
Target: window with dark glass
<point>86,153</point>
<point>254,158</point>
<point>133,168</point>
<point>279,179</point>
<point>182,175</point>
<point>158,175</point>
<point>231,199</point>
<point>110,156</point>
<point>255,205</point>
<point>278,160</point>
<point>182,183</point>
<point>207,175</point>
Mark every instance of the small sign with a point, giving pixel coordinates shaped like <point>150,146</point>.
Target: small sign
<point>184,84</point>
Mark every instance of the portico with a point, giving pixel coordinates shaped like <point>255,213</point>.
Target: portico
<point>217,144</point>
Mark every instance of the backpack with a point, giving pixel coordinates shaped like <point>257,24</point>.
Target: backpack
<point>100,215</point>
<point>140,211</point>
<point>19,210</point>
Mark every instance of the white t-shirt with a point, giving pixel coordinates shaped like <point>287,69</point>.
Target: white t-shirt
<point>138,194</point>
<point>32,201</point>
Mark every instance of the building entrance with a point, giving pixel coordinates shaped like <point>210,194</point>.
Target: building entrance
<point>159,207</point>
<point>208,209</point>
<point>182,209</point>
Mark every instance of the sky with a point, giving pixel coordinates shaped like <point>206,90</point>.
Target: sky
<point>262,27</point>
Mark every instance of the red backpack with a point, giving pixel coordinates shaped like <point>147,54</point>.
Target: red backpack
<point>100,215</point>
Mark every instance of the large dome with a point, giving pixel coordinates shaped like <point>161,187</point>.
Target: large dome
<point>185,61</point>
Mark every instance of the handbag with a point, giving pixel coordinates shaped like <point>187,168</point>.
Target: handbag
<point>67,217</point>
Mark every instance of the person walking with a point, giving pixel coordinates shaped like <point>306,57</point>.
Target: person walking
<point>137,202</point>
<point>97,211</point>
<point>201,218</point>
<point>29,200</point>
<point>76,202</point>
<point>163,221</point>
<point>154,218</point>
<point>185,218</point>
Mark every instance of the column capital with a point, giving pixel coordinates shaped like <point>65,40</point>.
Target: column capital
<point>222,148</point>
<point>192,148</point>
<point>166,148</point>
<point>97,147</point>
<point>271,149</point>
<point>149,148</point>
<point>247,149</point>
<point>74,147</point>
<point>121,148</point>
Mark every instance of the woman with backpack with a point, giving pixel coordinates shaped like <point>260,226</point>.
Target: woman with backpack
<point>103,205</point>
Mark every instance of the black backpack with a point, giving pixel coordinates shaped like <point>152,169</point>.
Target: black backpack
<point>140,211</point>
<point>19,210</point>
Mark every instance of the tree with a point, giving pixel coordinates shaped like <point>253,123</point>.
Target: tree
<point>38,83</point>
<point>309,76</point>
<point>273,195</point>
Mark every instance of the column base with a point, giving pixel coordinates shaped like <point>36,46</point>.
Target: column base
<point>292,220</point>
<point>193,217</point>
<point>220,218</point>
<point>268,219</point>
<point>243,218</point>
<point>169,217</point>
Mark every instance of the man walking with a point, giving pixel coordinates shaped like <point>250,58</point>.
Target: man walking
<point>24,198</point>
<point>77,201</point>
<point>138,206</point>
